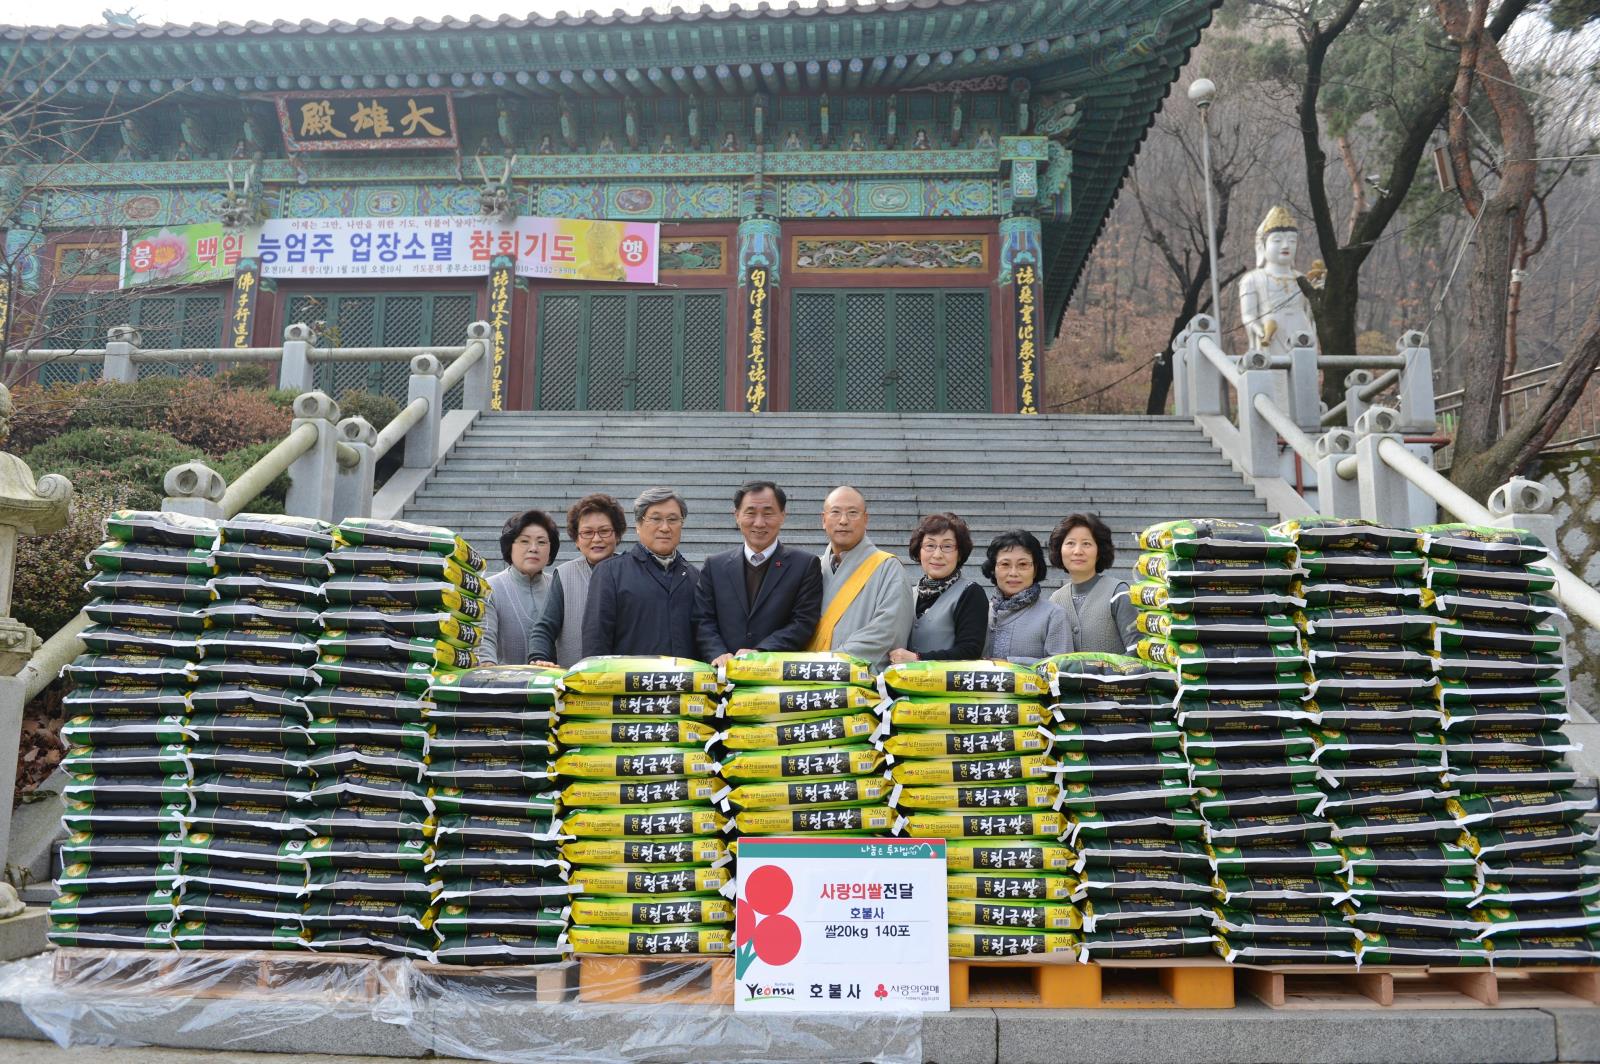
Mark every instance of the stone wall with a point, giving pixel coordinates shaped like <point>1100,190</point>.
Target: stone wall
<point>1573,478</point>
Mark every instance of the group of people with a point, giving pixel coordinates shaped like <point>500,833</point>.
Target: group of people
<point>767,596</point>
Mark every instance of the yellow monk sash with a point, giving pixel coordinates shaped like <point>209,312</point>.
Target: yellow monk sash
<point>823,639</point>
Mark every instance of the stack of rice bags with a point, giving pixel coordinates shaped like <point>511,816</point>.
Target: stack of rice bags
<point>501,881</point>
<point>970,761</point>
<point>248,839</point>
<point>647,844</point>
<point>1144,876</point>
<point>1216,597</point>
<point>1379,751</point>
<point>404,601</point>
<point>127,731</point>
<point>1504,701</point>
<point>796,745</point>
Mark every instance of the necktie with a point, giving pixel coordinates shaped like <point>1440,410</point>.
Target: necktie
<point>757,558</point>
<point>834,565</point>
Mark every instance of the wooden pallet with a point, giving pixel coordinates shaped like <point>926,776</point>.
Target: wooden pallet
<point>1329,987</point>
<point>656,980</point>
<point>526,982</point>
<point>1200,983</point>
<point>279,974</point>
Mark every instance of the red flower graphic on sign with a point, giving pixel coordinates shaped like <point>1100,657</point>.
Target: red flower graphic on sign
<point>881,992</point>
<point>763,931</point>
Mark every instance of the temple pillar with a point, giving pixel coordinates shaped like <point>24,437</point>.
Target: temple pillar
<point>760,249</point>
<point>1023,289</point>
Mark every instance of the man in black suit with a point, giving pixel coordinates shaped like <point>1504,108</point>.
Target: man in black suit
<point>762,596</point>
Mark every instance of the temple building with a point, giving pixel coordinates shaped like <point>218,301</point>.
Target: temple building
<point>857,207</point>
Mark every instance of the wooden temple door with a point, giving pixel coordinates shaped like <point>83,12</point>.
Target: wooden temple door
<point>382,319</point>
<point>609,350</point>
<point>890,350</point>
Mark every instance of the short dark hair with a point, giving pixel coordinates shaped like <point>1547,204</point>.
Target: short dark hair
<point>1105,551</point>
<point>598,503</point>
<point>515,525</point>
<point>751,487</point>
<point>938,525</point>
<point>1017,537</point>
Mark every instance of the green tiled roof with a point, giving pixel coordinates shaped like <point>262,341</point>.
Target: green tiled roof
<point>1119,56</point>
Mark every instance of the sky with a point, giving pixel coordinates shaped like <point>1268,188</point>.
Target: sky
<point>90,12</point>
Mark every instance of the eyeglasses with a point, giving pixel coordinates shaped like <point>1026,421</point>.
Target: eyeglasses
<point>940,548</point>
<point>597,533</point>
<point>657,519</point>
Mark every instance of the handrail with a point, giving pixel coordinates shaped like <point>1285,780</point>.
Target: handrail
<point>1291,433</point>
<point>1361,362</point>
<point>1219,358</point>
<point>1367,392</point>
<point>60,354</point>
<point>398,426</point>
<point>1583,599</point>
<point>209,354</point>
<point>382,354</point>
<point>474,350</point>
<point>269,467</point>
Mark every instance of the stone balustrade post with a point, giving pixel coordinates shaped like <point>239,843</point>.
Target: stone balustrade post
<point>1417,413</point>
<point>295,371</point>
<point>29,508</point>
<point>1207,389</point>
<point>475,385</point>
<point>352,484</point>
<point>1354,405</point>
<point>1528,505</point>
<point>1305,388</point>
<point>1336,496</point>
<point>1180,374</point>
<point>311,475</point>
<point>1385,494</point>
<point>121,342</point>
<point>194,488</point>
<point>1257,439</point>
<point>422,442</point>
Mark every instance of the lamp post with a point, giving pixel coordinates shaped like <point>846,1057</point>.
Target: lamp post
<point>1201,92</point>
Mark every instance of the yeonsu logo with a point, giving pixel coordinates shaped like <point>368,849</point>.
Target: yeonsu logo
<point>763,932</point>
<point>768,991</point>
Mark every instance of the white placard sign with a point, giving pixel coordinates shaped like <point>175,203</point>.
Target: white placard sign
<point>841,924</point>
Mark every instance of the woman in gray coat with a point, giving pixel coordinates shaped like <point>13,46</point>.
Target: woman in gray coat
<point>528,543</point>
<point>952,612</point>
<point>1097,605</point>
<point>1023,627</point>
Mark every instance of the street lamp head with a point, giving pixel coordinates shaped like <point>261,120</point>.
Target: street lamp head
<point>1202,91</point>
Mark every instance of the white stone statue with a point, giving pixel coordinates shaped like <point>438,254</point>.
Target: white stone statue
<point>1271,304</point>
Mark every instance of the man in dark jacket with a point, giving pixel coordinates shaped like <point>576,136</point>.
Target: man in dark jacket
<point>762,596</point>
<point>642,602</point>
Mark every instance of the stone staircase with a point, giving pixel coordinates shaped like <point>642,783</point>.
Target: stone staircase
<point>997,471</point>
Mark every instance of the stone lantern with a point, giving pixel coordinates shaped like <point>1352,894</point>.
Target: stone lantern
<point>31,508</point>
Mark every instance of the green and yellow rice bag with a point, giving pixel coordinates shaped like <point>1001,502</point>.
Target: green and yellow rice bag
<point>951,712</point>
<point>1020,855</point>
<point>652,880</point>
<point>967,742</point>
<point>819,732</point>
<point>964,677</point>
<point>1482,544</point>
<point>161,527</point>
<point>591,793</point>
<point>373,532</point>
<point>657,822</point>
<point>1008,885</point>
<point>858,790</point>
<point>620,674</point>
<point>1018,916</point>
<point>645,852</point>
<point>989,796</point>
<point>798,667</point>
<point>609,763</point>
<point>650,942</point>
<point>829,820</point>
<point>1217,539</point>
<point>1000,823</point>
<point>1317,532</point>
<point>932,773</point>
<point>773,765</point>
<point>601,707</point>
<point>625,912</point>
<point>967,943</point>
<point>772,703</point>
<point>620,732</point>
<point>513,685</point>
